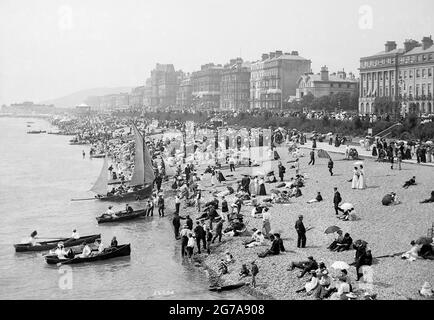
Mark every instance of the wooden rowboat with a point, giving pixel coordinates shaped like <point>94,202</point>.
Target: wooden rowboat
<point>121,216</point>
<point>228,287</point>
<point>48,245</point>
<point>108,253</point>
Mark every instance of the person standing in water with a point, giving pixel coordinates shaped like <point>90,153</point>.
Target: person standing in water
<point>84,154</point>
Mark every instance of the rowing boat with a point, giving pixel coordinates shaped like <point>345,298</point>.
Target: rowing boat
<point>120,216</point>
<point>228,287</point>
<point>108,253</point>
<point>48,245</point>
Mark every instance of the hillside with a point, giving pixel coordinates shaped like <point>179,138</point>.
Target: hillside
<point>78,97</point>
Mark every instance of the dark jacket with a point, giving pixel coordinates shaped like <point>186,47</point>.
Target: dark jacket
<point>208,236</point>
<point>200,233</point>
<point>225,206</point>
<point>176,221</point>
<point>282,170</point>
<point>189,223</point>
<point>280,243</point>
<point>219,227</point>
<point>275,248</point>
<point>337,198</point>
<point>299,226</point>
<point>310,265</point>
<point>255,270</point>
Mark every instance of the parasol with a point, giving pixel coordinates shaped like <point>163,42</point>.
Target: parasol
<point>346,206</point>
<point>340,265</point>
<point>332,229</point>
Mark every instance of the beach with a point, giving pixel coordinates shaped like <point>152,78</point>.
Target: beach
<point>387,229</point>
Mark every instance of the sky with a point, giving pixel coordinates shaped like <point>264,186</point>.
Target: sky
<point>51,48</point>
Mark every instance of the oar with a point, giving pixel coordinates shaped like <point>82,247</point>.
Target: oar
<point>84,199</point>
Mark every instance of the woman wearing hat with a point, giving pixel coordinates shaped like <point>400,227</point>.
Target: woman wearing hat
<point>60,251</point>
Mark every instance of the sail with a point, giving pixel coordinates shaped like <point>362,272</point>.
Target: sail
<point>143,169</point>
<point>138,177</point>
<point>100,186</point>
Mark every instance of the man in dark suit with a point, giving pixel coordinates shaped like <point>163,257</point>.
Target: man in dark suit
<point>312,157</point>
<point>301,232</point>
<point>336,200</point>
<point>200,236</point>
<point>245,184</point>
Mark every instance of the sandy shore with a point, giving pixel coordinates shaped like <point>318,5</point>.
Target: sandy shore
<point>387,230</point>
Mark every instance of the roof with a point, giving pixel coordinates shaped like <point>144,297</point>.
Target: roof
<point>332,78</point>
<point>384,53</point>
<point>281,57</point>
<point>419,50</point>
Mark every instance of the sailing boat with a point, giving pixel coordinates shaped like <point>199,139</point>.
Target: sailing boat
<point>141,181</point>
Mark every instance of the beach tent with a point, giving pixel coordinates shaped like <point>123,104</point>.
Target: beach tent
<point>323,154</point>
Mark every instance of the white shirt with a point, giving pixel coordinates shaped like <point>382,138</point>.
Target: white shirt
<point>60,253</point>
<point>75,235</point>
<point>86,251</point>
<point>190,242</point>
<point>100,247</point>
<point>266,215</point>
<point>110,211</point>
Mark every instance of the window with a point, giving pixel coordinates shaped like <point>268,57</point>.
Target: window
<point>393,60</point>
<point>417,73</point>
<point>429,89</point>
<point>417,90</point>
<point>405,74</point>
<point>375,77</point>
<point>423,89</point>
<point>430,56</point>
<point>429,72</point>
<point>381,91</point>
<point>410,74</point>
<point>380,76</point>
<point>387,91</point>
<point>424,57</point>
<point>423,73</point>
<point>410,90</point>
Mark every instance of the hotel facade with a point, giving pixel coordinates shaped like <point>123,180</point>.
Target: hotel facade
<point>403,74</point>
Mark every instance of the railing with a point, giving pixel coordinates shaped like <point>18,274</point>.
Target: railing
<point>387,131</point>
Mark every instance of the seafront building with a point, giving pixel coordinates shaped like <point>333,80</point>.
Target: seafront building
<point>274,78</point>
<point>235,85</point>
<point>324,84</point>
<point>403,74</point>
<point>206,87</point>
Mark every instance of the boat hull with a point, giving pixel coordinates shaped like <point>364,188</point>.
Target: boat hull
<point>122,217</point>
<point>145,192</point>
<point>48,245</point>
<point>228,287</point>
<point>119,251</point>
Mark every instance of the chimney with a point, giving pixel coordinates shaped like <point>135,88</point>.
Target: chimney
<point>324,73</point>
<point>410,44</point>
<point>264,56</point>
<point>272,55</point>
<point>390,45</point>
<point>278,53</point>
<point>427,42</point>
<point>342,74</point>
<point>294,53</point>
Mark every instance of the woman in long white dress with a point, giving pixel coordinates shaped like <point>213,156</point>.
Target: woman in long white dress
<point>355,181</point>
<point>362,179</point>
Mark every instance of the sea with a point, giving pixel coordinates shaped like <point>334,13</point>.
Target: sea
<point>39,175</point>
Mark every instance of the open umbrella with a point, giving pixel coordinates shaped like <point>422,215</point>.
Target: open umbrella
<point>340,265</point>
<point>332,229</point>
<point>424,240</point>
<point>346,206</point>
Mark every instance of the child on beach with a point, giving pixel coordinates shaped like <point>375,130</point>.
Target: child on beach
<point>255,271</point>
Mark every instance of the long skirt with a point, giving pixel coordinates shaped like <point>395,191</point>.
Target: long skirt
<point>262,191</point>
<point>266,227</point>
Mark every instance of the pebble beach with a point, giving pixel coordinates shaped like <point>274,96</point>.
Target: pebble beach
<point>388,230</point>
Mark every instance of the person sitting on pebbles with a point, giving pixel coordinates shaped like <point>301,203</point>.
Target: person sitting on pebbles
<point>257,239</point>
<point>413,253</point>
<point>311,285</point>
<point>229,258</point>
<point>390,199</point>
<point>318,198</point>
<point>411,182</point>
<point>245,272</point>
<point>306,266</point>
<point>223,268</point>
<point>274,250</point>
